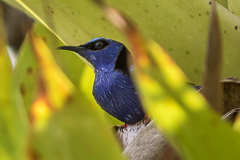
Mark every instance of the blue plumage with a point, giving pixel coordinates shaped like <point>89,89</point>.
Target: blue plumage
<point>113,87</point>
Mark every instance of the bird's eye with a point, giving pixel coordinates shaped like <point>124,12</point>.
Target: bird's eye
<point>96,45</point>
<point>99,45</point>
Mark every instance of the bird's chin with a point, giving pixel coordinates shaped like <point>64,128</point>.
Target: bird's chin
<point>86,61</point>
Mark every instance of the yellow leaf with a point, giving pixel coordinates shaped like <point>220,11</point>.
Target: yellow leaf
<point>57,85</point>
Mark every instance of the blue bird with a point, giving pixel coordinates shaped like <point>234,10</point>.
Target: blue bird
<point>113,87</point>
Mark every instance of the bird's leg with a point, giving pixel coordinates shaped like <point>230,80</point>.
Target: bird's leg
<point>124,126</point>
<point>146,120</point>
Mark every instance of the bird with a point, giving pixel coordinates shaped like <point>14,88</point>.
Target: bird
<point>114,89</point>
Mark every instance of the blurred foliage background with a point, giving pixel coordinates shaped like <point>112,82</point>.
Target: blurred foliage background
<point>48,111</point>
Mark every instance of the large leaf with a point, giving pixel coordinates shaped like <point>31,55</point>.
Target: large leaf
<point>182,114</point>
<point>179,26</point>
<point>77,132</point>
<point>13,124</point>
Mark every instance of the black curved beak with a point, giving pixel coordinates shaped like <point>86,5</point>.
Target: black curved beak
<point>80,50</point>
<point>73,48</point>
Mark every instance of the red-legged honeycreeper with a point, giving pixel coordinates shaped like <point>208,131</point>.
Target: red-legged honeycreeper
<point>113,87</point>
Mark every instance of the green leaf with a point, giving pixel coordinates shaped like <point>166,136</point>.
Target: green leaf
<point>26,73</point>
<point>13,124</point>
<point>194,129</point>
<point>77,132</point>
<point>234,6</point>
<point>223,2</point>
<point>181,28</point>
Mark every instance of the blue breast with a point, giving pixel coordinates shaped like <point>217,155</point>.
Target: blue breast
<point>115,93</point>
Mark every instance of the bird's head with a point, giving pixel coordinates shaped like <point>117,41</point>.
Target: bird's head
<point>103,54</point>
